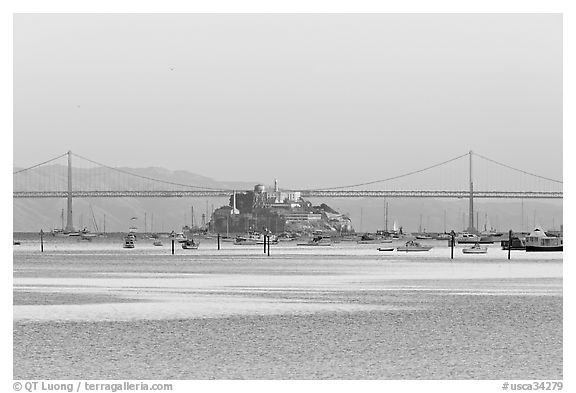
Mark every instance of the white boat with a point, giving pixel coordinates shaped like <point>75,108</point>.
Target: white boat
<point>317,241</point>
<point>472,238</point>
<point>413,246</point>
<point>85,234</point>
<point>538,240</point>
<point>259,237</point>
<point>190,245</point>
<point>467,238</point>
<point>180,237</point>
<point>255,238</point>
<point>475,249</point>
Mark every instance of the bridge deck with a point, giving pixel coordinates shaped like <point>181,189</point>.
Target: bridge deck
<point>305,194</point>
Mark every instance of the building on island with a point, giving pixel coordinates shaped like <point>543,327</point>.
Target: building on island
<point>276,211</point>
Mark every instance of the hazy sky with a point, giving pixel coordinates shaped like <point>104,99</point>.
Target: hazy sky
<point>310,99</point>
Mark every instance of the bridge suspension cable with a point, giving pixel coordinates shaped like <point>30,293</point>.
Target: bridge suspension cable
<point>37,165</point>
<point>518,170</point>
<point>147,177</point>
<point>390,178</point>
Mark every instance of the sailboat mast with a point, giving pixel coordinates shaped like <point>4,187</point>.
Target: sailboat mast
<point>94,219</point>
<point>386,220</point>
<point>420,227</point>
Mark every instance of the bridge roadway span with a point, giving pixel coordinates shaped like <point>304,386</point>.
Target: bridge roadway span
<point>305,194</point>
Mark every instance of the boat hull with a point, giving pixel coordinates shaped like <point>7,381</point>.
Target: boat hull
<point>517,244</point>
<point>544,248</point>
<point>413,249</point>
<point>469,251</point>
<point>481,241</point>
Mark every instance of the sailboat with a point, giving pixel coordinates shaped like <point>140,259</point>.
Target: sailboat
<point>57,231</point>
<point>227,238</point>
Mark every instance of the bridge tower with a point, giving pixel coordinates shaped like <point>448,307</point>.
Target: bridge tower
<point>471,228</point>
<point>69,223</point>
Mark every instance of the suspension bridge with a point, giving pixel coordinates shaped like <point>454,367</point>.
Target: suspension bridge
<point>58,178</point>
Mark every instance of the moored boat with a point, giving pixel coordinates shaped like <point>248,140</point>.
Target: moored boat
<point>190,244</point>
<point>385,248</point>
<point>317,241</point>
<point>252,238</point>
<point>517,244</point>
<point>467,238</point>
<point>157,243</point>
<point>368,238</point>
<point>413,246</point>
<point>180,237</point>
<point>475,249</point>
<point>539,241</point>
<point>243,241</point>
<point>472,238</point>
<point>128,242</point>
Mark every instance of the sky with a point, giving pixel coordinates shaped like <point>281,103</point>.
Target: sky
<point>310,99</point>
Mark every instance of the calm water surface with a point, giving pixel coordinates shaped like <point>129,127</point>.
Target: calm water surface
<point>92,310</point>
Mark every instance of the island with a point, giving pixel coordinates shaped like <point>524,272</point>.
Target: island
<point>277,212</point>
